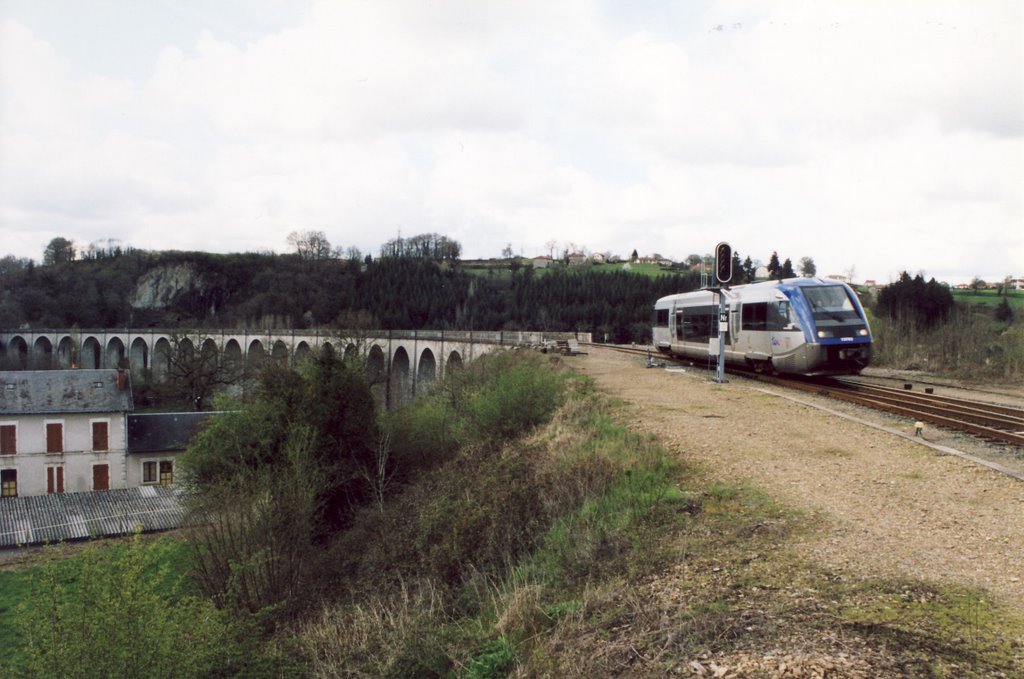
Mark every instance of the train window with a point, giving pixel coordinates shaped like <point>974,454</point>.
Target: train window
<point>780,317</point>
<point>830,302</point>
<point>661,318</point>
<point>755,316</point>
<point>699,324</point>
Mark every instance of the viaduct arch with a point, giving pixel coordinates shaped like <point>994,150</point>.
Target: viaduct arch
<point>399,364</point>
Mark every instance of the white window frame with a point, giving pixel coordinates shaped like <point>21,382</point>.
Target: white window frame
<point>142,472</point>
<point>63,436</point>
<point>159,473</point>
<point>157,462</point>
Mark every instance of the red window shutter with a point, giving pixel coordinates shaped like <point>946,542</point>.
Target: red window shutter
<point>55,438</point>
<point>101,477</point>
<point>55,479</point>
<point>100,438</point>
<point>8,439</point>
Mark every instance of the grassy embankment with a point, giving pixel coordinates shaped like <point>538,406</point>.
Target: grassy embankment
<point>1015,298</point>
<point>540,537</point>
<point>502,269</point>
<point>970,345</point>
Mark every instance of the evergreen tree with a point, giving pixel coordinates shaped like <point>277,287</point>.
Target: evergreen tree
<point>787,270</point>
<point>1003,312</point>
<point>749,270</point>
<point>911,300</point>
<point>737,269</point>
<point>774,268</point>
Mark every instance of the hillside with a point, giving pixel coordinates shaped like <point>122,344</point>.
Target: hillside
<point>195,289</point>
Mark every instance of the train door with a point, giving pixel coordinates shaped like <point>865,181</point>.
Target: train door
<point>755,340</point>
<point>785,332</point>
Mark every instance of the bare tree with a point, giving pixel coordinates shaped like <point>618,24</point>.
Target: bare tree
<point>195,375</point>
<point>379,473</point>
<point>311,245</point>
<point>551,245</point>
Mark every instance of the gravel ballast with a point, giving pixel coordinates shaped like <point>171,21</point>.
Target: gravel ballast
<point>888,506</point>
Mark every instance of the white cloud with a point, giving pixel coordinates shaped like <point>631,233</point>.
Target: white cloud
<point>881,136</point>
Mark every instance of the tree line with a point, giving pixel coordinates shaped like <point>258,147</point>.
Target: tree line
<point>419,289</point>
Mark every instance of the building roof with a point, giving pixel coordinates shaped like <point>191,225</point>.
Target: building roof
<point>41,519</point>
<point>162,432</point>
<point>38,392</point>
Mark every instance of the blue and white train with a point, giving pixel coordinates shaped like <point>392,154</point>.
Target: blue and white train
<point>805,326</point>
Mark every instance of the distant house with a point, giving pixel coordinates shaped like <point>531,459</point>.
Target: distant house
<point>63,430</point>
<point>155,440</point>
<point>578,259</point>
<point>541,262</point>
<point>598,258</point>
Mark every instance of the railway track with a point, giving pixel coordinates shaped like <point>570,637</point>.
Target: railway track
<point>992,422</point>
<point>1001,424</point>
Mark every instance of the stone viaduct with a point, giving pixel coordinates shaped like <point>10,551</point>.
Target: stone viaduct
<point>402,363</point>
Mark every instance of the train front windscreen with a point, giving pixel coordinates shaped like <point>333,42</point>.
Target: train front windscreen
<point>834,313</point>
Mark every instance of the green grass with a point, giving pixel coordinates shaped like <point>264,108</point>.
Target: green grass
<point>989,297</point>
<point>165,557</point>
<point>501,269</point>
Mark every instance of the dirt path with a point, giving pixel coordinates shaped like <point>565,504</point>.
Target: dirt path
<point>890,506</point>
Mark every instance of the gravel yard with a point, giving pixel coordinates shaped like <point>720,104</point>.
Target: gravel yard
<point>888,506</point>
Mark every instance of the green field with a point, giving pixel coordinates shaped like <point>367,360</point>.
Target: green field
<point>990,297</point>
<point>500,268</point>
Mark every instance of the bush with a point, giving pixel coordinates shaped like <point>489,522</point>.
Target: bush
<point>424,434</point>
<point>272,480</point>
<point>121,614</point>
<point>969,344</point>
<point>517,394</point>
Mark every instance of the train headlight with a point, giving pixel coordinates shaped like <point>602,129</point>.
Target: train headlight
<point>863,332</point>
<point>825,334</point>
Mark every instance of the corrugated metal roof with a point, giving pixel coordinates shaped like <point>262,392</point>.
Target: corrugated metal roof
<point>159,432</point>
<point>41,519</point>
<point>38,392</point>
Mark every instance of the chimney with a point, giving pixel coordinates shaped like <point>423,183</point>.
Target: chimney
<point>122,380</point>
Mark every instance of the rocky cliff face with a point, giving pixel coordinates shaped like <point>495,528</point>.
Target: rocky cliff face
<point>160,287</point>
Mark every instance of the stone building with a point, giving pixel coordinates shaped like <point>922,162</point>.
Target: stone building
<point>63,431</point>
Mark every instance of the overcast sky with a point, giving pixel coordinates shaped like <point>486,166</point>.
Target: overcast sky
<point>871,136</point>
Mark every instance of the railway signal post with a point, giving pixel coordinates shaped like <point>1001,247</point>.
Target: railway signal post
<point>723,274</point>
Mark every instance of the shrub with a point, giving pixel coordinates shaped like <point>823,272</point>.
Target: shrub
<point>270,481</point>
<point>122,614</point>
<point>424,434</point>
<point>517,395</point>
